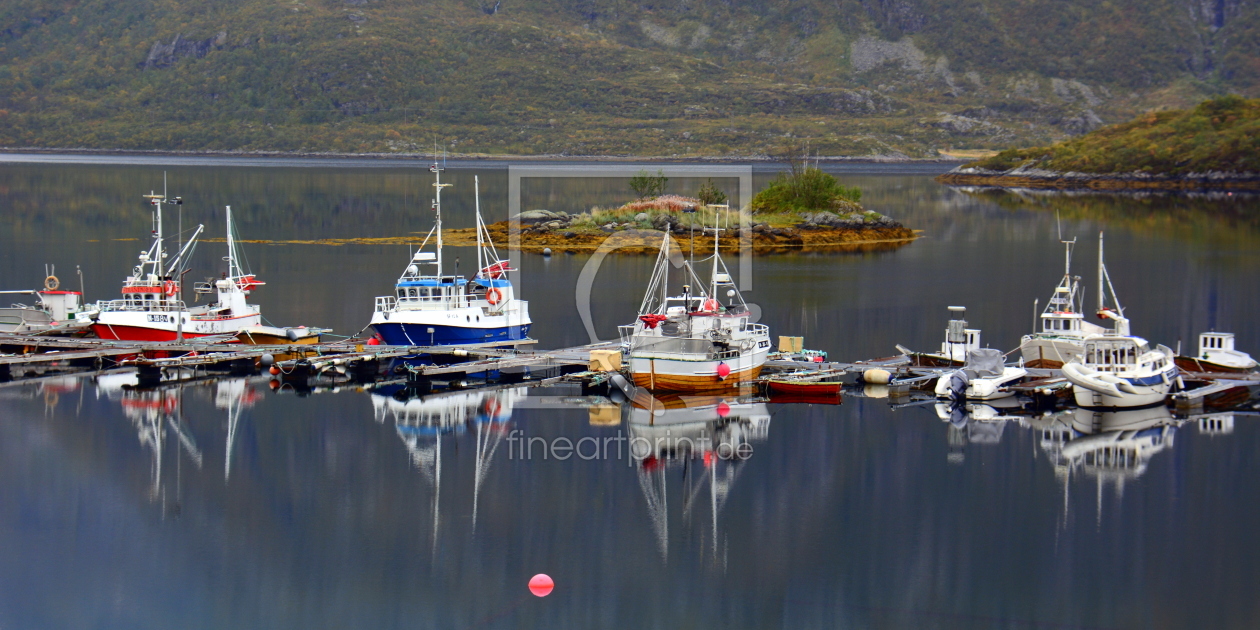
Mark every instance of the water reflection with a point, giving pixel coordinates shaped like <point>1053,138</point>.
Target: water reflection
<point>706,438</point>
<point>423,421</point>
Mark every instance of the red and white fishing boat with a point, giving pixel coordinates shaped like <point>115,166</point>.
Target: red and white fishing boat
<point>152,308</point>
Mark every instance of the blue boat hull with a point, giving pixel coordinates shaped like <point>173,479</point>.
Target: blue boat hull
<point>419,335</point>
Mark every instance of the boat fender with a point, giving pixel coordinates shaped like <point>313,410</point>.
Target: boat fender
<point>266,360</point>
<point>493,296</point>
<point>877,376</point>
<point>51,283</point>
<point>723,370</point>
<point>291,334</point>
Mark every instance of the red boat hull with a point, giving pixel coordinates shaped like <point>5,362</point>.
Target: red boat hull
<point>137,333</point>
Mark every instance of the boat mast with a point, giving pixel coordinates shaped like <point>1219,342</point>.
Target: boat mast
<point>437,207</point>
<point>480,245</point>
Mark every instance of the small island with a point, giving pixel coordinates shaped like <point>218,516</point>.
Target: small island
<point>1213,146</point>
<point>805,209</point>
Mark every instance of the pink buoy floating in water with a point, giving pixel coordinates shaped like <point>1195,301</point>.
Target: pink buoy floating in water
<point>723,409</point>
<point>724,370</point>
<point>540,585</point>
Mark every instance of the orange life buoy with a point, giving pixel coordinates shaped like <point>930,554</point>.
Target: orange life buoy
<point>170,288</point>
<point>493,296</point>
<point>710,306</point>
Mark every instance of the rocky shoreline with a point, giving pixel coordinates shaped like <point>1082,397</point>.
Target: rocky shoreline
<point>818,231</point>
<point>1028,177</point>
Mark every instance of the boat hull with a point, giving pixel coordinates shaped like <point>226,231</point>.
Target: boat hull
<point>254,337</point>
<point>684,374</point>
<point>1192,364</point>
<point>1093,390</point>
<point>121,332</point>
<point>408,334</point>
<point>798,388</point>
<point>1049,353</point>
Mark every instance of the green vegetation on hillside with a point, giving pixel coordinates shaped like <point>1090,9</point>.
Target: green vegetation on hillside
<point>605,77</point>
<point>1222,134</point>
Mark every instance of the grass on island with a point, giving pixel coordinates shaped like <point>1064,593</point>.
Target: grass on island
<point>1221,134</point>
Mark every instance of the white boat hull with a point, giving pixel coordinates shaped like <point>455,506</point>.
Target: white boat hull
<point>1050,352</point>
<point>1103,390</point>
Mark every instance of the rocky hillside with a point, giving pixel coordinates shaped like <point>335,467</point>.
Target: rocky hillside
<point>607,77</point>
<point>1213,145</point>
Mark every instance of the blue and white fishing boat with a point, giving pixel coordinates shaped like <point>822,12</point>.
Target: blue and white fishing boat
<point>431,307</point>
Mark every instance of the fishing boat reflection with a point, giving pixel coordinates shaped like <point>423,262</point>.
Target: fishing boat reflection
<point>708,438</point>
<point>423,421</point>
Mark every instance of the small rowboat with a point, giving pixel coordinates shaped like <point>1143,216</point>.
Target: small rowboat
<point>808,386</point>
<point>272,336</point>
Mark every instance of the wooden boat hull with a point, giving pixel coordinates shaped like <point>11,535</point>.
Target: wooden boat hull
<point>804,388</point>
<point>279,338</point>
<point>667,381</point>
<point>1192,364</point>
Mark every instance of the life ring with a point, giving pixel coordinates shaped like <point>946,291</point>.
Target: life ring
<point>170,288</point>
<point>51,283</point>
<point>493,296</point>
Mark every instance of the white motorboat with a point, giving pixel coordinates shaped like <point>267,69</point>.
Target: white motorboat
<point>1116,371</point>
<point>983,377</point>
<point>1063,326</point>
<point>1217,354</point>
<point>693,341</point>
<point>432,307</point>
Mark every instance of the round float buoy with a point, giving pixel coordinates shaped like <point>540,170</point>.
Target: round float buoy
<point>541,585</point>
<point>723,370</point>
<point>374,341</point>
<point>877,376</point>
<point>723,409</point>
<point>266,359</point>
<point>546,251</point>
<point>275,370</point>
<point>273,384</point>
<point>51,283</point>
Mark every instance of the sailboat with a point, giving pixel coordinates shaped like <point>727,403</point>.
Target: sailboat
<point>692,341</point>
<point>1063,325</point>
<point>152,308</point>
<point>431,307</point>
<point>1117,369</point>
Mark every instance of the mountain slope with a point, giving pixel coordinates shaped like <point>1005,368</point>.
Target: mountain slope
<point>613,77</point>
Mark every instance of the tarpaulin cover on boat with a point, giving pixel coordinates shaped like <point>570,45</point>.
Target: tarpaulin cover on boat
<point>985,362</point>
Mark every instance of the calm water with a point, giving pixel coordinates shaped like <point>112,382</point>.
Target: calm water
<point>223,504</point>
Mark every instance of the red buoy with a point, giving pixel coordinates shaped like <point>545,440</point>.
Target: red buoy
<point>723,409</point>
<point>274,370</point>
<point>373,342</point>
<point>724,370</point>
<point>540,585</point>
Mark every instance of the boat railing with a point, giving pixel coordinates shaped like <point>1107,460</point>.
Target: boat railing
<point>723,355</point>
<point>626,332</point>
<point>129,305</point>
<point>386,303</point>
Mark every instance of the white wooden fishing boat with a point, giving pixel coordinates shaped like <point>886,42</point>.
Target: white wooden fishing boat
<point>1063,326</point>
<point>1217,354</point>
<point>693,341</point>
<point>53,310</point>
